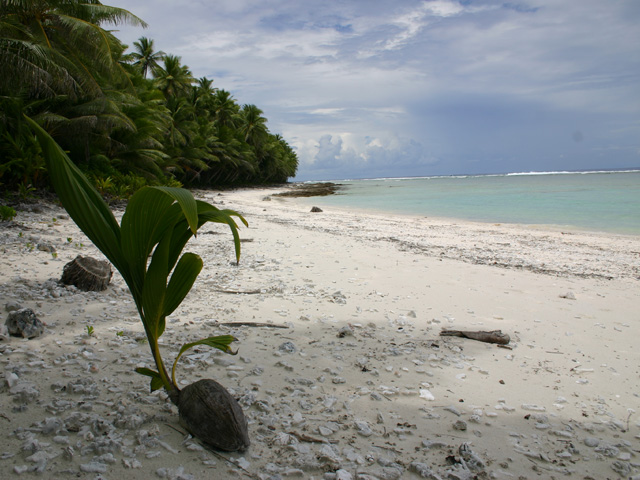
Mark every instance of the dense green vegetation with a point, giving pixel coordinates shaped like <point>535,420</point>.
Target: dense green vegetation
<point>125,119</point>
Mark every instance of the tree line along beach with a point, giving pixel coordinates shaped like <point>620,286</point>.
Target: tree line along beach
<point>353,380</point>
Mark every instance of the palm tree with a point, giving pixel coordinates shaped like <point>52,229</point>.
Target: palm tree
<point>57,55</point>
<point>253,125</point>
<point>204,98</point>
<point>174,78</point>
<point>145,58</point>
<point>225,109</point>
<point>54,47</point>
<point>205,87</point>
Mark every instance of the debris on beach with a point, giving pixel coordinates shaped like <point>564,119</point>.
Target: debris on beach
<point>87,274</point>
<point>494,336</point>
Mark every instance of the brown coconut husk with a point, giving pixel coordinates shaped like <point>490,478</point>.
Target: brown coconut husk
<point>209,412</point>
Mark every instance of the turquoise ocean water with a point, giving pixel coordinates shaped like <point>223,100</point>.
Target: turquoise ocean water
<point>595,201</point>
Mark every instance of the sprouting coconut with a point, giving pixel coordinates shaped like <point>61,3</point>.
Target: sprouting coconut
<point>157,224</point>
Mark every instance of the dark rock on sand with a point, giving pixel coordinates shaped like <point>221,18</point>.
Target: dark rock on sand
<point>24,323</point>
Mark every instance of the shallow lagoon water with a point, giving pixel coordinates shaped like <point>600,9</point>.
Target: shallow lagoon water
<point>596,201</point>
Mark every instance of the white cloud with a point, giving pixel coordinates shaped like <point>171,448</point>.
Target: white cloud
<point>356,155</point>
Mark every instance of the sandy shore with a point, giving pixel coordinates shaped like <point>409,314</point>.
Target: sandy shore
<point>359,384</point>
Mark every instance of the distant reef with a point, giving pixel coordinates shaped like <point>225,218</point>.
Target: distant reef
<point>320,189</point>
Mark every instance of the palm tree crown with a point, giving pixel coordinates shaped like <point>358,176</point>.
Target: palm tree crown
<point>173,78</point>
<point>146,59</point>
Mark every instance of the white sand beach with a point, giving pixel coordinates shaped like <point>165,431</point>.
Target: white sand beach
<point>353,381</point>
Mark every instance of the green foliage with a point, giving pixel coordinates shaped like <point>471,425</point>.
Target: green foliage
<point>7,213</point>
<point>25,191</point>
<point>221,342</point>
<point>63,69</point>
<point>156,225</point>
<point>89,330</point>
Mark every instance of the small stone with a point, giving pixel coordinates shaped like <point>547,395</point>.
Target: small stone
<point>20,469</point>
<point>338,297</point>
<point>345,331</point>
<point>569,295</point>
<point>428,444</point>
<point>342,474</point>
<point>421,469</point>
<point>93,467</point>
<point>533,408</point>
<point>363,428</point>
<point>591,441</point>
<point>460,425</point>
<point>316,209</point>
<point>12,306</point>
<point>24,392</point>
<point>24,323</point>
<point>621,468</point>
<point>288,347</point>
<point>46,247</point>
<point>297,419</point>
<point>131,463</point>
<point>608,450</point>
<point>11,379</point>
<point>426,394</point>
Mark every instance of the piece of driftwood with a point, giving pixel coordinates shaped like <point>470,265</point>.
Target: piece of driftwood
<point>251,324</point>
<point>306,438</point>
<point>88,274</point>
<point>238,292</point>
<point>209,412</point>
<point>494,336</point>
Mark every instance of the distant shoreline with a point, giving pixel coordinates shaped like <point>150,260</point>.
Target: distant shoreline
<point>466,175</point>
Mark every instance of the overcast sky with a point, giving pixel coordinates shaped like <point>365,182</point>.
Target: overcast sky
<point>381,88</point>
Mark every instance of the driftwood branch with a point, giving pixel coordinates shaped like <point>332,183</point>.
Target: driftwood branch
<point>251,324</point>
<point>306,438</point>
<point>494,336</point>
<point>237,292</point>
